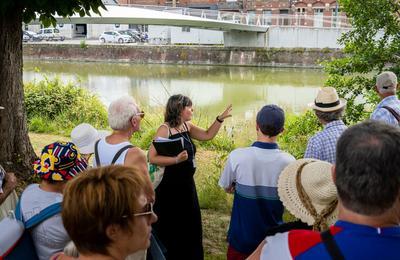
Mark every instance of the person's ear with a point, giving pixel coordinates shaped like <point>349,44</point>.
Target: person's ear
<point>282,130</point>
<point>112,232</point>
<point>333,171</point>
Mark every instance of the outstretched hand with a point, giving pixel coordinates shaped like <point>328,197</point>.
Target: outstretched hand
<point>226,113</point>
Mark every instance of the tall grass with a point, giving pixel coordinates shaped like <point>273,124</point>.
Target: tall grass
<point>55,107</point>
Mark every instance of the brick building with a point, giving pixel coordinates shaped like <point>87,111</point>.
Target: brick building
<point>314,13</point>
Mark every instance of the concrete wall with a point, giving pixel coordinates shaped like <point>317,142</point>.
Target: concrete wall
<point>302,37</point>
<point>181,35</point>
<point>181,55</point>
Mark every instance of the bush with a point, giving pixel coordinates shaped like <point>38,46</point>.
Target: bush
<point>54,107</point>
<point>298,129</point>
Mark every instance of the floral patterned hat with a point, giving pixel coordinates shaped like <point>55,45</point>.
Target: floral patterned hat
<point>59,162</point>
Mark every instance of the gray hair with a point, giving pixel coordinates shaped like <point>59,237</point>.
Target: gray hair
<point>121,111</point>
<point>330,116</point>
<point>386,90</point>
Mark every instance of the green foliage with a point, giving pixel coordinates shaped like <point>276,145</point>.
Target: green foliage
<point>46,9</point>
<point>372,46</point>
<point>211,195</point>
<point>83,44</point>
<point>298,129</point>
<point>54,107</point>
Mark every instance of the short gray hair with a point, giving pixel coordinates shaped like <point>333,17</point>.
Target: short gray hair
<point>121,111</point>
<point>330,116</point>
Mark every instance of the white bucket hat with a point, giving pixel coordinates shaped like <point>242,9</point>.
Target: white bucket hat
<point>84,136</point>
<point>316,180</point>
<point>327,100</point>
<point>1,107</point>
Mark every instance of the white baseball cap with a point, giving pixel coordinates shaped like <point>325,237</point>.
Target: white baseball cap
<point>84,136</point>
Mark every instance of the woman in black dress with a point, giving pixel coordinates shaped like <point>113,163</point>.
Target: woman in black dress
<point>177,206</point>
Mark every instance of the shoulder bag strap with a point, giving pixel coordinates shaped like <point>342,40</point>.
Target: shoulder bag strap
<point>331,245</point>
<point>118,154</point>
<point>96,153</point>
<point>43,215</point>
<point>393,112</point>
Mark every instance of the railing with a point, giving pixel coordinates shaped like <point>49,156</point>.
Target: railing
<point>297,20</point>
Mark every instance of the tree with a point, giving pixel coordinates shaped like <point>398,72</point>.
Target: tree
<point>371,46</point>
<point>16,152</point>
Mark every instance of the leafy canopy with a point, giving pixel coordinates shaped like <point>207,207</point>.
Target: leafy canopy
<point>371,46</point>
<point>47,9</point>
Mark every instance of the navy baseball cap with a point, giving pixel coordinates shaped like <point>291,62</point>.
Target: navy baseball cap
<point>271,120</point>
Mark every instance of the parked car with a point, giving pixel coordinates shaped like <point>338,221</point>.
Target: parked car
<point>134,34</point>
<point>30,36</point>
<point>50,34</point>
<point>114,36</point>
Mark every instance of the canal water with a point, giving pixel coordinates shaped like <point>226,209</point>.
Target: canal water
<point>210,87</point>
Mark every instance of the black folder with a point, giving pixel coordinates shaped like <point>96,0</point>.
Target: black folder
<point>168,147</point>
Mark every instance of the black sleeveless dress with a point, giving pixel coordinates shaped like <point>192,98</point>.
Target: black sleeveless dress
<point>177,207</point>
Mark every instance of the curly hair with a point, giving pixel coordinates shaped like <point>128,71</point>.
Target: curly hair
<point>174,108</point>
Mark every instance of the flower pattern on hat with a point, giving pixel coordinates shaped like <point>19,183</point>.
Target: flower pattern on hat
<point>59,161</point>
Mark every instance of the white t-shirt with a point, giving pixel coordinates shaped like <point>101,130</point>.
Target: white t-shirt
<point>49,236</point>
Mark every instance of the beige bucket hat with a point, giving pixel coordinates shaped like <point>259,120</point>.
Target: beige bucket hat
<point>327,100</point>
<point>316,180</point>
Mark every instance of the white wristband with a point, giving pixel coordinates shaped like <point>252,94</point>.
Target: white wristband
<point>176,159</point>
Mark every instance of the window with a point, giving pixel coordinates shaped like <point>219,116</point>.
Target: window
<point>267,17</point>
<point>186,29</point>
<point>56,31</point>
<point>301,10</point>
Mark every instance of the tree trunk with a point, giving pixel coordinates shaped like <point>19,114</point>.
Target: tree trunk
<point>16,152</point>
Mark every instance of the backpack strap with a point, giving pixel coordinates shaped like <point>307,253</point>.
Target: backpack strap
<point>118,154</point>
<point>393,112</point>
<point>96,153</point>
<point>331,245</point>
<point>44,214</point>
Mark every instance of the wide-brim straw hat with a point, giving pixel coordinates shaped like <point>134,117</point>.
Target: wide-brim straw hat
<point>327,100</point>
<point>316,179</point>
<point>84,136</point>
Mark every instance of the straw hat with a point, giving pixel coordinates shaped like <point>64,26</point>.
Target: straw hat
<point>84,136</point>
<point>328,100</point>
<point>316,180</point>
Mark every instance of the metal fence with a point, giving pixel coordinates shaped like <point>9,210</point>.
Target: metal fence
<point>296,20</point>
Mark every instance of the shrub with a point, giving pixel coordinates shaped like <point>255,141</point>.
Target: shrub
<point>298,129</point>
<point>54,107</point>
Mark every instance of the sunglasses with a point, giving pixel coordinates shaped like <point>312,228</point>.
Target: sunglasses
<point>141,114</point>
<point>147,210</point>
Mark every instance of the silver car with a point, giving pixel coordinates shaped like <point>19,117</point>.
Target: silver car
<point>114,36</point>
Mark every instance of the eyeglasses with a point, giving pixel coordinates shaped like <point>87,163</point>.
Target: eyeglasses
<point>147,210</point>
<point>141,114</point>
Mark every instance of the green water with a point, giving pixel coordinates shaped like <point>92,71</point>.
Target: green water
<point>210,87</point>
